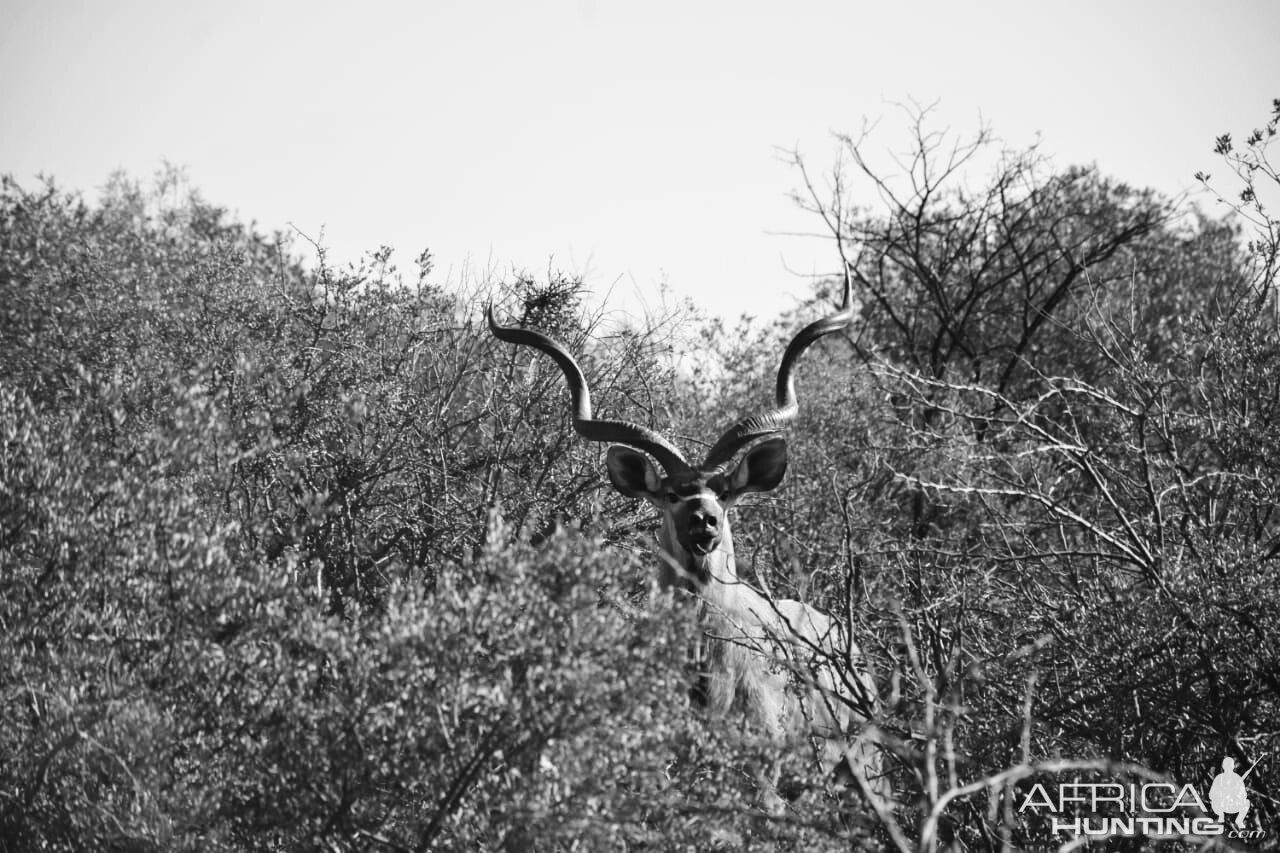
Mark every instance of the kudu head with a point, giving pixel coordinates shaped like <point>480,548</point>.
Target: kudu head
<point>694,500</point>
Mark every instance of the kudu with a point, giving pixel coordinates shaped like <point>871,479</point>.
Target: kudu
<point>789,667</point>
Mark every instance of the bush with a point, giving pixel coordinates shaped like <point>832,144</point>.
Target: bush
<point>300,557</point>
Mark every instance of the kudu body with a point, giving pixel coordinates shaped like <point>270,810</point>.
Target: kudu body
<point>788,667</point>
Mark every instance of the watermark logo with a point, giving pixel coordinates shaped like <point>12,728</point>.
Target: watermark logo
<point>1162,809</point>
<point>1228,795</point>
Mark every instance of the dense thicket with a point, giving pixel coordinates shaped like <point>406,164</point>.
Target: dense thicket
<point>1046,460</point>
<point>256,591</point>
<point>284,558</point>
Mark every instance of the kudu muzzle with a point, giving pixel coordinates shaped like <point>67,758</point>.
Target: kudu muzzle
<point>700,525</point>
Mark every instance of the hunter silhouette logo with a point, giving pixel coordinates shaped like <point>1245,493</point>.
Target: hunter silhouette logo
<point>1227,795</point>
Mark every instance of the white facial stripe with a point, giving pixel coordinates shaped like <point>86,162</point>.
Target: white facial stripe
<point>705,494</point>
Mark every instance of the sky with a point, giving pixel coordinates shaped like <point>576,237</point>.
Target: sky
<point>634,144</point>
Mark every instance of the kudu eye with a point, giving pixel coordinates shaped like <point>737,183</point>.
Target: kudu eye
<point>672,497</point>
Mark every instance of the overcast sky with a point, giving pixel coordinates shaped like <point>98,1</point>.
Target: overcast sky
<point>634,143</point>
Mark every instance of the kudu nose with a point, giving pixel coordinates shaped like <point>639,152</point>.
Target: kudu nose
<point>704,532</point>
<point>701,521</point>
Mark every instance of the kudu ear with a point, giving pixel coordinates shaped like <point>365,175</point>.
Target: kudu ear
<point>632,473</point>
<point>762,469</point>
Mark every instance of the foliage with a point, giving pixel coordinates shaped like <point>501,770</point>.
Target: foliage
<point>1259,183</point>
<point>1065,549</point>
<point>167,690</point>
<point>301,557</point>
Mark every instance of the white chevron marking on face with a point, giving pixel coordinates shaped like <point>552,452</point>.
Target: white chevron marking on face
<point>705,494</point>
